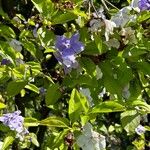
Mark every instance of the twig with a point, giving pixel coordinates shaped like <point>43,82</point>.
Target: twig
<point>91,2</point>
<point>111,5</point>
<point>104,4</point>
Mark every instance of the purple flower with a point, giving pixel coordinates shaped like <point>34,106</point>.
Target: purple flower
<point>42,91</point>
<point>5,61</point>
<point>144,4</point>
<point>140,130</point>
<point>15,122</point>
<point>68,48</point>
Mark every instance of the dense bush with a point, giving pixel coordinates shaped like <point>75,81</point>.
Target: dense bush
<point>74,74</point>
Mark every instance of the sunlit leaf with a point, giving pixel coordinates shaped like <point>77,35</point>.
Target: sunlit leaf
<point>53,94</point>
<point>14,87</point>
<point>33,88</point>
<point>55,122</point>
<point>78,104</point>
<point>7,142</point>
<point>130,120</point>
<point>31,122</point>
<point>2,105</point>
<point>108,106</point>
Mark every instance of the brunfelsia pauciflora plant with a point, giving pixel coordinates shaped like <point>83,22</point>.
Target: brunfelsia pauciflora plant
<point>77,71</point>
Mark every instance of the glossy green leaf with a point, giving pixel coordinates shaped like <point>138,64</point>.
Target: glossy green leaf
<point>2,105</point>
<point>143,16</point>
<point>53,94</point>
<point>55,122</point>
<point>98,42</point>
<point>88,65</point>
<point>78,104</point>
<point>63,18</point>
<point>30,47</point>
<point>144,67</point>
<point>32,87</point>
<point>34,139</point>
<point>45,7</point>
<point>14,87</point>
<point>31,122</point>
<point>130,120</point>
<point>107,107</point>
<point>140,104</point>
<point>6,31</point>
<point>7,142</point>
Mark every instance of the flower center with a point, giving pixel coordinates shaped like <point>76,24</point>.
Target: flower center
<point>66,44</point>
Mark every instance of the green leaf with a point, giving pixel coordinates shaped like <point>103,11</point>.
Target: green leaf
<point>86,80</point>
<point>29,47</point>
<point>2,13</point>
<point>130,120</point>
<point>46,38</point>
<point>59,139</point>
<point>31,122</point>
<point>46,7</point>
<point>98,42</point>
<point>140,104</point>
<point>63,18</point>
<point>7,142</point>
<point>94,48</point>
<point>34,139</point>
<point>79,13</point>
<point>35,68</point>
<point>107,107</point>
<point>6,31</point>
<point>116,75</point>
<point>2,105</point>
<point>145,15</point>
<point>111,84</point>
<point>144,67</point>
<point>88,65</point>
<point>55,122</point>
<point>133,52</point>
<point>14,87</point>
<point>53,94</point>
<point>33,88</point>
<point>78,104</point>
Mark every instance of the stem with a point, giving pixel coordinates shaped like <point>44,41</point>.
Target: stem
<point>111,5</point>
<point>104,4</point>
<point>91,2</point>
<point>44,111</point>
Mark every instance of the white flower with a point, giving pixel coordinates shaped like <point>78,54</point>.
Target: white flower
<point>135,5</point>
<point>95,25</point>
<point>125,92</point>
<point>123,17</point>
<point>16,45</point>
<point>109,27</point>
<point>91,140</point>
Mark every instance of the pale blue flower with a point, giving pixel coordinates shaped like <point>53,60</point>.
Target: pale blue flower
<point>15,122</point>
<point>140,130</point>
